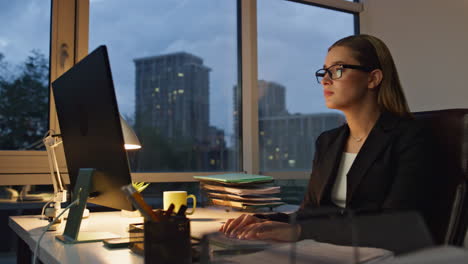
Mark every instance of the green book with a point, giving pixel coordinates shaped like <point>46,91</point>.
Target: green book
<point>235,178</point>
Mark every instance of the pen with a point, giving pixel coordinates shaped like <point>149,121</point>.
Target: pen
<point>169,211</point>
<point>182,210</point>
<point>139,203</point>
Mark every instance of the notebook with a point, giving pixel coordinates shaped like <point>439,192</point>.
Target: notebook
<point>235,178</point>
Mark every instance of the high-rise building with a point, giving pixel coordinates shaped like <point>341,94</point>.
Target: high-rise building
<point>172,115</point>
<point>172,95</point>
<point>271,99</point>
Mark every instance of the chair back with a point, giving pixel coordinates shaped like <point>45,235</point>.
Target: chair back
<point>448,216</point>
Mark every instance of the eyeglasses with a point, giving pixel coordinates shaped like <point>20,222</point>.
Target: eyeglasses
<point>336,71</point>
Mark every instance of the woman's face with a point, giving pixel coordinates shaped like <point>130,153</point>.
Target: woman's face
<point>351,88</point>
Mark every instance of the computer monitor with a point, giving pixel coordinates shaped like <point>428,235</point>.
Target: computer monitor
<point>91,131</point>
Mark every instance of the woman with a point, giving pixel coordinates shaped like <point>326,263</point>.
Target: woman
<point>376,162</point>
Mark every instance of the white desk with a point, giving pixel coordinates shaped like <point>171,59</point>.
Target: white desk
<point>205,220</point>
<point>29,229</point>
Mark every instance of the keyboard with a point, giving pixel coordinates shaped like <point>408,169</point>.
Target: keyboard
<point>221,240</point>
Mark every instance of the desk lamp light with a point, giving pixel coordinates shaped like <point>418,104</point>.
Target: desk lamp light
<point>130,139</point>
<point>51,141</point>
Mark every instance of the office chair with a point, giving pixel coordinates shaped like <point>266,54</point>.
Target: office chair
<point>448,216</point>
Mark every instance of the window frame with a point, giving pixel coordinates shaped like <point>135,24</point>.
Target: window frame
<point>68,20</point>
<point>69,43</point>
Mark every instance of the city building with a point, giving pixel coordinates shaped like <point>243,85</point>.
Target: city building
<point>286,141</point>
<point>172,95</point>
<point>172,109</point>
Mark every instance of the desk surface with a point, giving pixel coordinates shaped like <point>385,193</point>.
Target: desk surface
<point>29,229</point>
<point>205,220</point>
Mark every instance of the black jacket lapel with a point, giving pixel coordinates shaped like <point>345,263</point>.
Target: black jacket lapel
<point>330,162</point>
<point>377,140</point>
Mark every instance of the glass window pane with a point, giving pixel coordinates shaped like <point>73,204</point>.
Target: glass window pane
<point>292,112</point>
<point>174,66</point>
<point>293,39</point>
<point>24,73</point>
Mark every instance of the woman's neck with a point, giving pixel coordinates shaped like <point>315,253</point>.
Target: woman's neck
<point>361,121</point>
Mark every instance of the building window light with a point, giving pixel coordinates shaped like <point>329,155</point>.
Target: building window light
<point>292,163</point>
<point>270,157</point>
<point>277,149</point>
<point>181,91</point>
<point>180,74</point>
<point>156,89</point>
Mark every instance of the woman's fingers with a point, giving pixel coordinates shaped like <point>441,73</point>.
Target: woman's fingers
<point>270,230</point>
<point>234,224</point>
<point>247,220</point>
<point>231,224</point>
<point>250,231</point>
<point>225,225</point>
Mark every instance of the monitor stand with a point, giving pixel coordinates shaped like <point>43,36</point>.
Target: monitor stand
<point>72,234</point>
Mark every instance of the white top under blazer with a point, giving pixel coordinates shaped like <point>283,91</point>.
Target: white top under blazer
<point>339,187</point>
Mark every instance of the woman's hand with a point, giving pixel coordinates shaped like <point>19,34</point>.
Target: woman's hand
<point>270,230</point>
<point>232,226</point>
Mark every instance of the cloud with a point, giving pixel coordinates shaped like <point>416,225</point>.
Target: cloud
<point>292,44</point>
<point>28,28</point>
<point>3,43</point>
<point>204,28</point>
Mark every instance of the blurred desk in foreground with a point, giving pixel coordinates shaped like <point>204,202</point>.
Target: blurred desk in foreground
<point>29,228</point>
<point>203,221</point>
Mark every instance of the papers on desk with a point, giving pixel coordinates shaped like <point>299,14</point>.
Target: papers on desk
<point>311,251</point>
<point>235,178</point>
<point>243,191</point>
<point>240,191</point>
<point>245,205</point>
<point>234,197</point>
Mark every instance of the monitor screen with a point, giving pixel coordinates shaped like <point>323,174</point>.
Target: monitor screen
<point>90,127</point>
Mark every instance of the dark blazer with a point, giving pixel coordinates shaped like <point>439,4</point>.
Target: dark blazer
<point>394,170</point>
<point>389,172</point>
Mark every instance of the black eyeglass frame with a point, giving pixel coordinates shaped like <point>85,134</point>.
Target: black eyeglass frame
<point>319,74</point>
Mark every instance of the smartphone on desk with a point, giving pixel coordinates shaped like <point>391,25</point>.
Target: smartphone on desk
<point>121,242</point>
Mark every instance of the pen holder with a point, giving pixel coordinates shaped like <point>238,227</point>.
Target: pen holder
<point>168,241</point>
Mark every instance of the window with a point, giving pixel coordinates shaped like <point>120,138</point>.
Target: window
<point>24,74</point>
<point>293,39</point>
<point>174,66</point>
<point>292,112</point>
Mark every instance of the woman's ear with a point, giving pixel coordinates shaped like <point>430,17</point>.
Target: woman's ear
<point>375,78</point>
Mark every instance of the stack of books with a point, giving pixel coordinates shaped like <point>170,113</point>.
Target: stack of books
<point>240,191</point>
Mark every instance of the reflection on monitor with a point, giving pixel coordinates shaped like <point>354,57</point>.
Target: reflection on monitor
<point>91,131</point>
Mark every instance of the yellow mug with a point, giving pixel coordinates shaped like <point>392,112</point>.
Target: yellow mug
<point>178,198</point>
